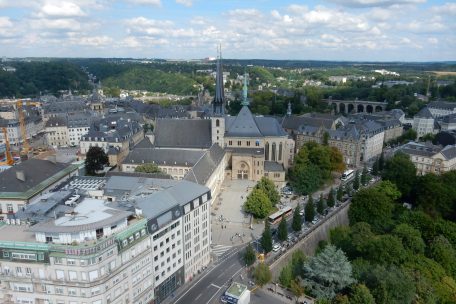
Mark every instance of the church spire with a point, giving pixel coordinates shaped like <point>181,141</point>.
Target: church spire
<point>245,101</point>
<point>219,100</point>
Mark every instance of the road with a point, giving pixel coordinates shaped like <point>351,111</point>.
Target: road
<point>211,285</point>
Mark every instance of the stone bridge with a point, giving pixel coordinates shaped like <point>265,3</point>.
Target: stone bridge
<point>355,106</point>
<point>310,242</point>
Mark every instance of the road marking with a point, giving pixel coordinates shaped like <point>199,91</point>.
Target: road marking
<point>198,296</point>
<point>215,266</point>
<point>215,286</point>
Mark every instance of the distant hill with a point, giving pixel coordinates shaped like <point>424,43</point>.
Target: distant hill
<point>31,78</point>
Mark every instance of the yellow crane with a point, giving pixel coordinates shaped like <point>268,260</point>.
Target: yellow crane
<point>19,104</point>
<point>9,159</point>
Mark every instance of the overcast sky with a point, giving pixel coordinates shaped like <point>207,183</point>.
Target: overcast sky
<point>374,30</point>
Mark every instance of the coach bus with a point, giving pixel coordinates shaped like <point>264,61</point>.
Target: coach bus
<point>347,175</point>
<point>277,216</point>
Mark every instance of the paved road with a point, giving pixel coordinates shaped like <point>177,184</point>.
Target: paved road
<point>210,287</point>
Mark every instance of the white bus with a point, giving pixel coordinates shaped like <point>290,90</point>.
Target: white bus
<point>347,175</point>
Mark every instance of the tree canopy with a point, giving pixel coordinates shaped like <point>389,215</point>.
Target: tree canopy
<point>400,170</point>
<point>258,203</point>
<point>96,159</point>
<point>327,273</point>
<point>148,168</point>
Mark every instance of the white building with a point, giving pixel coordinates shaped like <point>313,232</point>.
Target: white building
<point>429,158</point>
<point>424,123</point>
<point>441,108</point>
<point>136,243</point>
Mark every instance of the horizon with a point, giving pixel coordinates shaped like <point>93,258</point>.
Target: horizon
<point>329,30</point>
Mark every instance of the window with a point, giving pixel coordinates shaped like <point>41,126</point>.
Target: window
<point>58,261</point>
<point>217,123</point>
<point>230,143</point>
<point>59,274</point>
<point>248,143</point>
<point>239,143</point>
<point>9,208</point>
<point>5,254</point>
<point>59,290</point>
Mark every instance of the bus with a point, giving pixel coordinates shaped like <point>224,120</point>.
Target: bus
<point>277,216</point>
<point>347,175</point>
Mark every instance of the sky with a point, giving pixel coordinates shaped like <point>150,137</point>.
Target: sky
<point>348,30</point>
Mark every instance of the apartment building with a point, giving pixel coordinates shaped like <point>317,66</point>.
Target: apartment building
<point>33,125</point>
<point>429,158</point>
<point>136,243</point>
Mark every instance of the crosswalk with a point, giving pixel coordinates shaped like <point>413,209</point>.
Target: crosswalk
<point>219,250</point>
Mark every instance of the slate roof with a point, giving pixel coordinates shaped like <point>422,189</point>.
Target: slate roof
<point>271,166</point>
<point>183,133</point>
<point>57,121</point>
<point>442,105</point>
<point>38,173</point>
<point>420,149</point>
<point>424,113</point>
<point>144,143</point>
<point>172,157</point>
<point>449,152</point>
<point>245,124</point>
<point>203,169</point>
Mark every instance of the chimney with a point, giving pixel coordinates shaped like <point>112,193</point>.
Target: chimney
<point>20,175</point>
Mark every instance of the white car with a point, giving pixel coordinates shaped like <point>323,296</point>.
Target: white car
<point>276,247</point>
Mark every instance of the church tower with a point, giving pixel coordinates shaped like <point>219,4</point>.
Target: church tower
<point>218,106</point>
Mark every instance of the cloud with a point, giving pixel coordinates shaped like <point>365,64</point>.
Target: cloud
<point>95,41</point>
<point>375,3</point>
<point>447,9</point>
<point>6,27</point>
<point>187,3</point>
<point>146,2</point>
<point>61,10</point>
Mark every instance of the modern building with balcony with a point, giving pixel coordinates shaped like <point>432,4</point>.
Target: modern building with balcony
<point>120,240</point>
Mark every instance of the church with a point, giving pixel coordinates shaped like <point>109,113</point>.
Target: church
<point>253,146</point>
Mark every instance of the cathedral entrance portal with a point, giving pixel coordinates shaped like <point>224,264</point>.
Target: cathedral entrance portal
<point>243,172</point>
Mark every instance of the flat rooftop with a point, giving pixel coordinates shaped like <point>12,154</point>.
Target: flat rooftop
<point>17,233</point>
<point>236,289</point>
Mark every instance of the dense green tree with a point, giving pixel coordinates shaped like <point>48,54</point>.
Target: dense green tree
<point>148,168</point>
<point>360,294</point>
<point>258,203</point>
<point>385,249</point>
<point>249,255</point>
<point>410,237</point>
<point>321,205</point>
<point>381,162</point>
<point>434,196</point>
<point>269,188</point>
<point>296,288</point>
<point>297,219</point>
<point>282,230</point>
<point>286,276</point>
<point>340,193</point>
<point>375,169</point>
<point>327,273</point>
<point>364,176</point>
<point>400,170</point>
<point>325,138</point>
<point>356,181</point>
<point>305,179</point>
<point>266,238</point>
<point>262,274</point>
<point>372,205</point>
<point>309,212</point>
<point>389,285</point>
<point>331,198</point>
<point>96,159</point>
<point>337,160</point>
<point>443,252</point>
<point>298,259</point>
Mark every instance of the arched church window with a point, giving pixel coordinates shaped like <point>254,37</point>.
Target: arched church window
<point>280,151</point>
<point>217,123</point>
<point>266,151</point>
<point>273,152</point>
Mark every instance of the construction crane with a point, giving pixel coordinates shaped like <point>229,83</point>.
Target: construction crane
<point>9,159</point>
<point>19,104</point>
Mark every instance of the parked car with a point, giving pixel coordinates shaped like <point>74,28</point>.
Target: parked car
<point>276,247</point>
